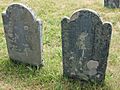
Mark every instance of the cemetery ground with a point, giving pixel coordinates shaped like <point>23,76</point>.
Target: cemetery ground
<point>49,77</point>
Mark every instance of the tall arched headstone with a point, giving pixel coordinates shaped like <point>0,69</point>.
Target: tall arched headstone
<point>85,46</point>
<point>112,3</point>
<point>23,34</point>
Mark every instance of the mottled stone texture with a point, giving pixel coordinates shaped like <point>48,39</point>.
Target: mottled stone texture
<point>23,34</point>
<point>112,3</point>
<point>85,46</point>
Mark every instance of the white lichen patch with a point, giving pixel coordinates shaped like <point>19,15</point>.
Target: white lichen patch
<point>80,63</point>
<point>71,58</point>
<point>81,40</point>
<point>98,76</point>
<point>71,53</point>
<point>92,72</point>
<point>72,73</point>
<point>25,27</point>
<point>76,69</point>
<point>75,16</point>
<point>81,68</point>
<point>10,23</point>
<point>83,76</point>
<point>92,64</point>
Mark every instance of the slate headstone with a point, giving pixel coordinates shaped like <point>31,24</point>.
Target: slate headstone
<point>85,46</point>
<point>112,3</point>
<point>23,34</point>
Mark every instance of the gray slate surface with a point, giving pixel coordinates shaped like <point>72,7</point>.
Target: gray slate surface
<point>23,34</point>
<point>85,46</point>
<point>112,3</point>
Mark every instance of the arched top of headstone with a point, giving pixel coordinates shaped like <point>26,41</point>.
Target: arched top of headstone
<point>19,10</point>
<point>87,13</point>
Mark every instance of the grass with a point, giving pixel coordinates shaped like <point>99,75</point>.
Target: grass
<point>49,77</point>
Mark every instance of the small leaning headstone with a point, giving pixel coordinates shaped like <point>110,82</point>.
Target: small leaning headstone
<point>23,34</point>
<point>85,46</point>
<point>112,3</point>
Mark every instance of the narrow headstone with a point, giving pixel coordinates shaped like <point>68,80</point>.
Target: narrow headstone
<point>85,46</point>
<point>112,3</point>
<point>23,34</point>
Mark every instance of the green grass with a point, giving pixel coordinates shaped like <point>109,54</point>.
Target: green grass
<point>49,77</point>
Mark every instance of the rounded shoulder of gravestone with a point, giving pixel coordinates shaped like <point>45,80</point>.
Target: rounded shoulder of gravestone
<point>19,10</point>
<point>85,12</point>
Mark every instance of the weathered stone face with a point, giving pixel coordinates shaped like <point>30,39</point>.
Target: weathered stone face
<point>112,3</point>
<point>23,34</point>
<point>85,46</point>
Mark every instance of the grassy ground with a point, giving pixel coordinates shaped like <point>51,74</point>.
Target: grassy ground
<point>21,77</point>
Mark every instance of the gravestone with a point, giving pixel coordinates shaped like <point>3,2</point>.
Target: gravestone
<point>23,35</point>
<point>85,46</point>
<point>112,3</point>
